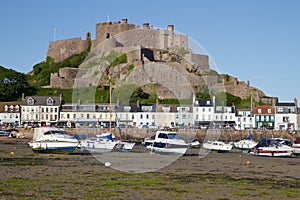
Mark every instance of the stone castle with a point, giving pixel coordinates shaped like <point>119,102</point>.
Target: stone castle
<point>149,50</point>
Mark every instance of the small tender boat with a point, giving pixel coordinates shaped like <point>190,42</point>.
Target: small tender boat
<point>167,142</point>
<point>272,147</point>
<point>219,146</point>
<point>296,146</point>
<point>52,140</point>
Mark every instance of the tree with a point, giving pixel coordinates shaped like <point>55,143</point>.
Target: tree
<point>12,84</point>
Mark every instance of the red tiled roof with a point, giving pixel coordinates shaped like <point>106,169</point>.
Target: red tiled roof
<point>264,110</point>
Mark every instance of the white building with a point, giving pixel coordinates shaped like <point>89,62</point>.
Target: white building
<point>286,116</point>
<point>10,113</point>
<point>40,110</point>
<point>244,119</point>
<point>87,115</point>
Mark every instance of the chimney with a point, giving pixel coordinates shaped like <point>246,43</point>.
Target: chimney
<point>296,102</point>
<point>138,103</point>
<point>23,96</point>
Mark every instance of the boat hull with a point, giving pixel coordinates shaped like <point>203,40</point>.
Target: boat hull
<point>99,147</point>
<point>296,148</point>
<point>217,146</point>
<point>53,147</point>
<point>273,152</point>
<point>167,150</point>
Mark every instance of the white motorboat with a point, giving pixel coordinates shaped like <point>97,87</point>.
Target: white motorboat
<point>271,147</point>
<point>245,145</point>
<point>167,142</point>
<point>217,146</point>
<point>53,140</point>
<point>296,146</point>
<point>105,142</point>
<point>101,143</point>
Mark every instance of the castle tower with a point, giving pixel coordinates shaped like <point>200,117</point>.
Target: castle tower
<point>107,30</point>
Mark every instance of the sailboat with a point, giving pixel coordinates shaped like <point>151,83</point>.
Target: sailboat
<point>106,142</point>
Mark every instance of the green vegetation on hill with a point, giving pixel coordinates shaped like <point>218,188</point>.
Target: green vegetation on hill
<point>86,95</point>
<point>40,75</point>
<point>12,85</point>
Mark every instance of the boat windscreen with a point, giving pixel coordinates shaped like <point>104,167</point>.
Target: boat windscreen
<point>173,136</point>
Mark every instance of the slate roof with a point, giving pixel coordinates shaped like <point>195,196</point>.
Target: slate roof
<point>42,100</point>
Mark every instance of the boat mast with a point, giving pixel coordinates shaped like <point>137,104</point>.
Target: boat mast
<point>110,107</point>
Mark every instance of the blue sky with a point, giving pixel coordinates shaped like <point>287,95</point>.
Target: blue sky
<point>255,40</point>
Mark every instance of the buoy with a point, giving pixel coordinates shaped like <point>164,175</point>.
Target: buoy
<point>240,156</point>
<point>15,148</point>
<point>107,164</point>
<point>248,162</point>
<point>12,153</point>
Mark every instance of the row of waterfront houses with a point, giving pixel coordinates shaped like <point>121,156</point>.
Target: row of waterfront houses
<point>52,110</point>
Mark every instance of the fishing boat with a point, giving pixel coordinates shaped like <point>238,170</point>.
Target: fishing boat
<point>272,147</point>
<point>53,140</point>
<point>167,142</point>
<point>216,145</point>
<point>296,146</point>
<point>245,144</point>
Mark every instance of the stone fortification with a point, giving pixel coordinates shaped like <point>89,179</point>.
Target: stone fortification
<point>146,49</point>
<point>63,49</point>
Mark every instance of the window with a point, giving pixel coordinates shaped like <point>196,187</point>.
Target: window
<point>55,109</point>
<point>47,109</point>
<point>257,118</point>
<point>269,110</point>
<point>74,116</point>
<point>259,110</point>
<point>68,116</point>
<point>87,116</point>
<point>203,109</point>
<point>147,116</point>
<point>51,109</point>
<point>267,118</point>
<point>141,116</point>
<point>279,109</point>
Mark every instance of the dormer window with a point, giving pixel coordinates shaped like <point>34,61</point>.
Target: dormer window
<point>11,108</point>
<point>6,108</point>
<point>49,101</point>
<point>30,101</point>
<point>17,108</point>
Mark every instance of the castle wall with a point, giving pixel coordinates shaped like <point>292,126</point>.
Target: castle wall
<point>62,49</point>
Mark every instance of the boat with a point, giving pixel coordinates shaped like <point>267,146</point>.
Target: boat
<point>167,142</point>
<point>53,140</point>
<point>4,133</point>
<point>272,147</point>
<point>216,145</point>
<point>106,142</point>
<point>296,146</point>
<point>245,144</point>
<point>101,143</point>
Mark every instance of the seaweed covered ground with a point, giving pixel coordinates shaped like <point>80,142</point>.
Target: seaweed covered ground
<point>234,175</point>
